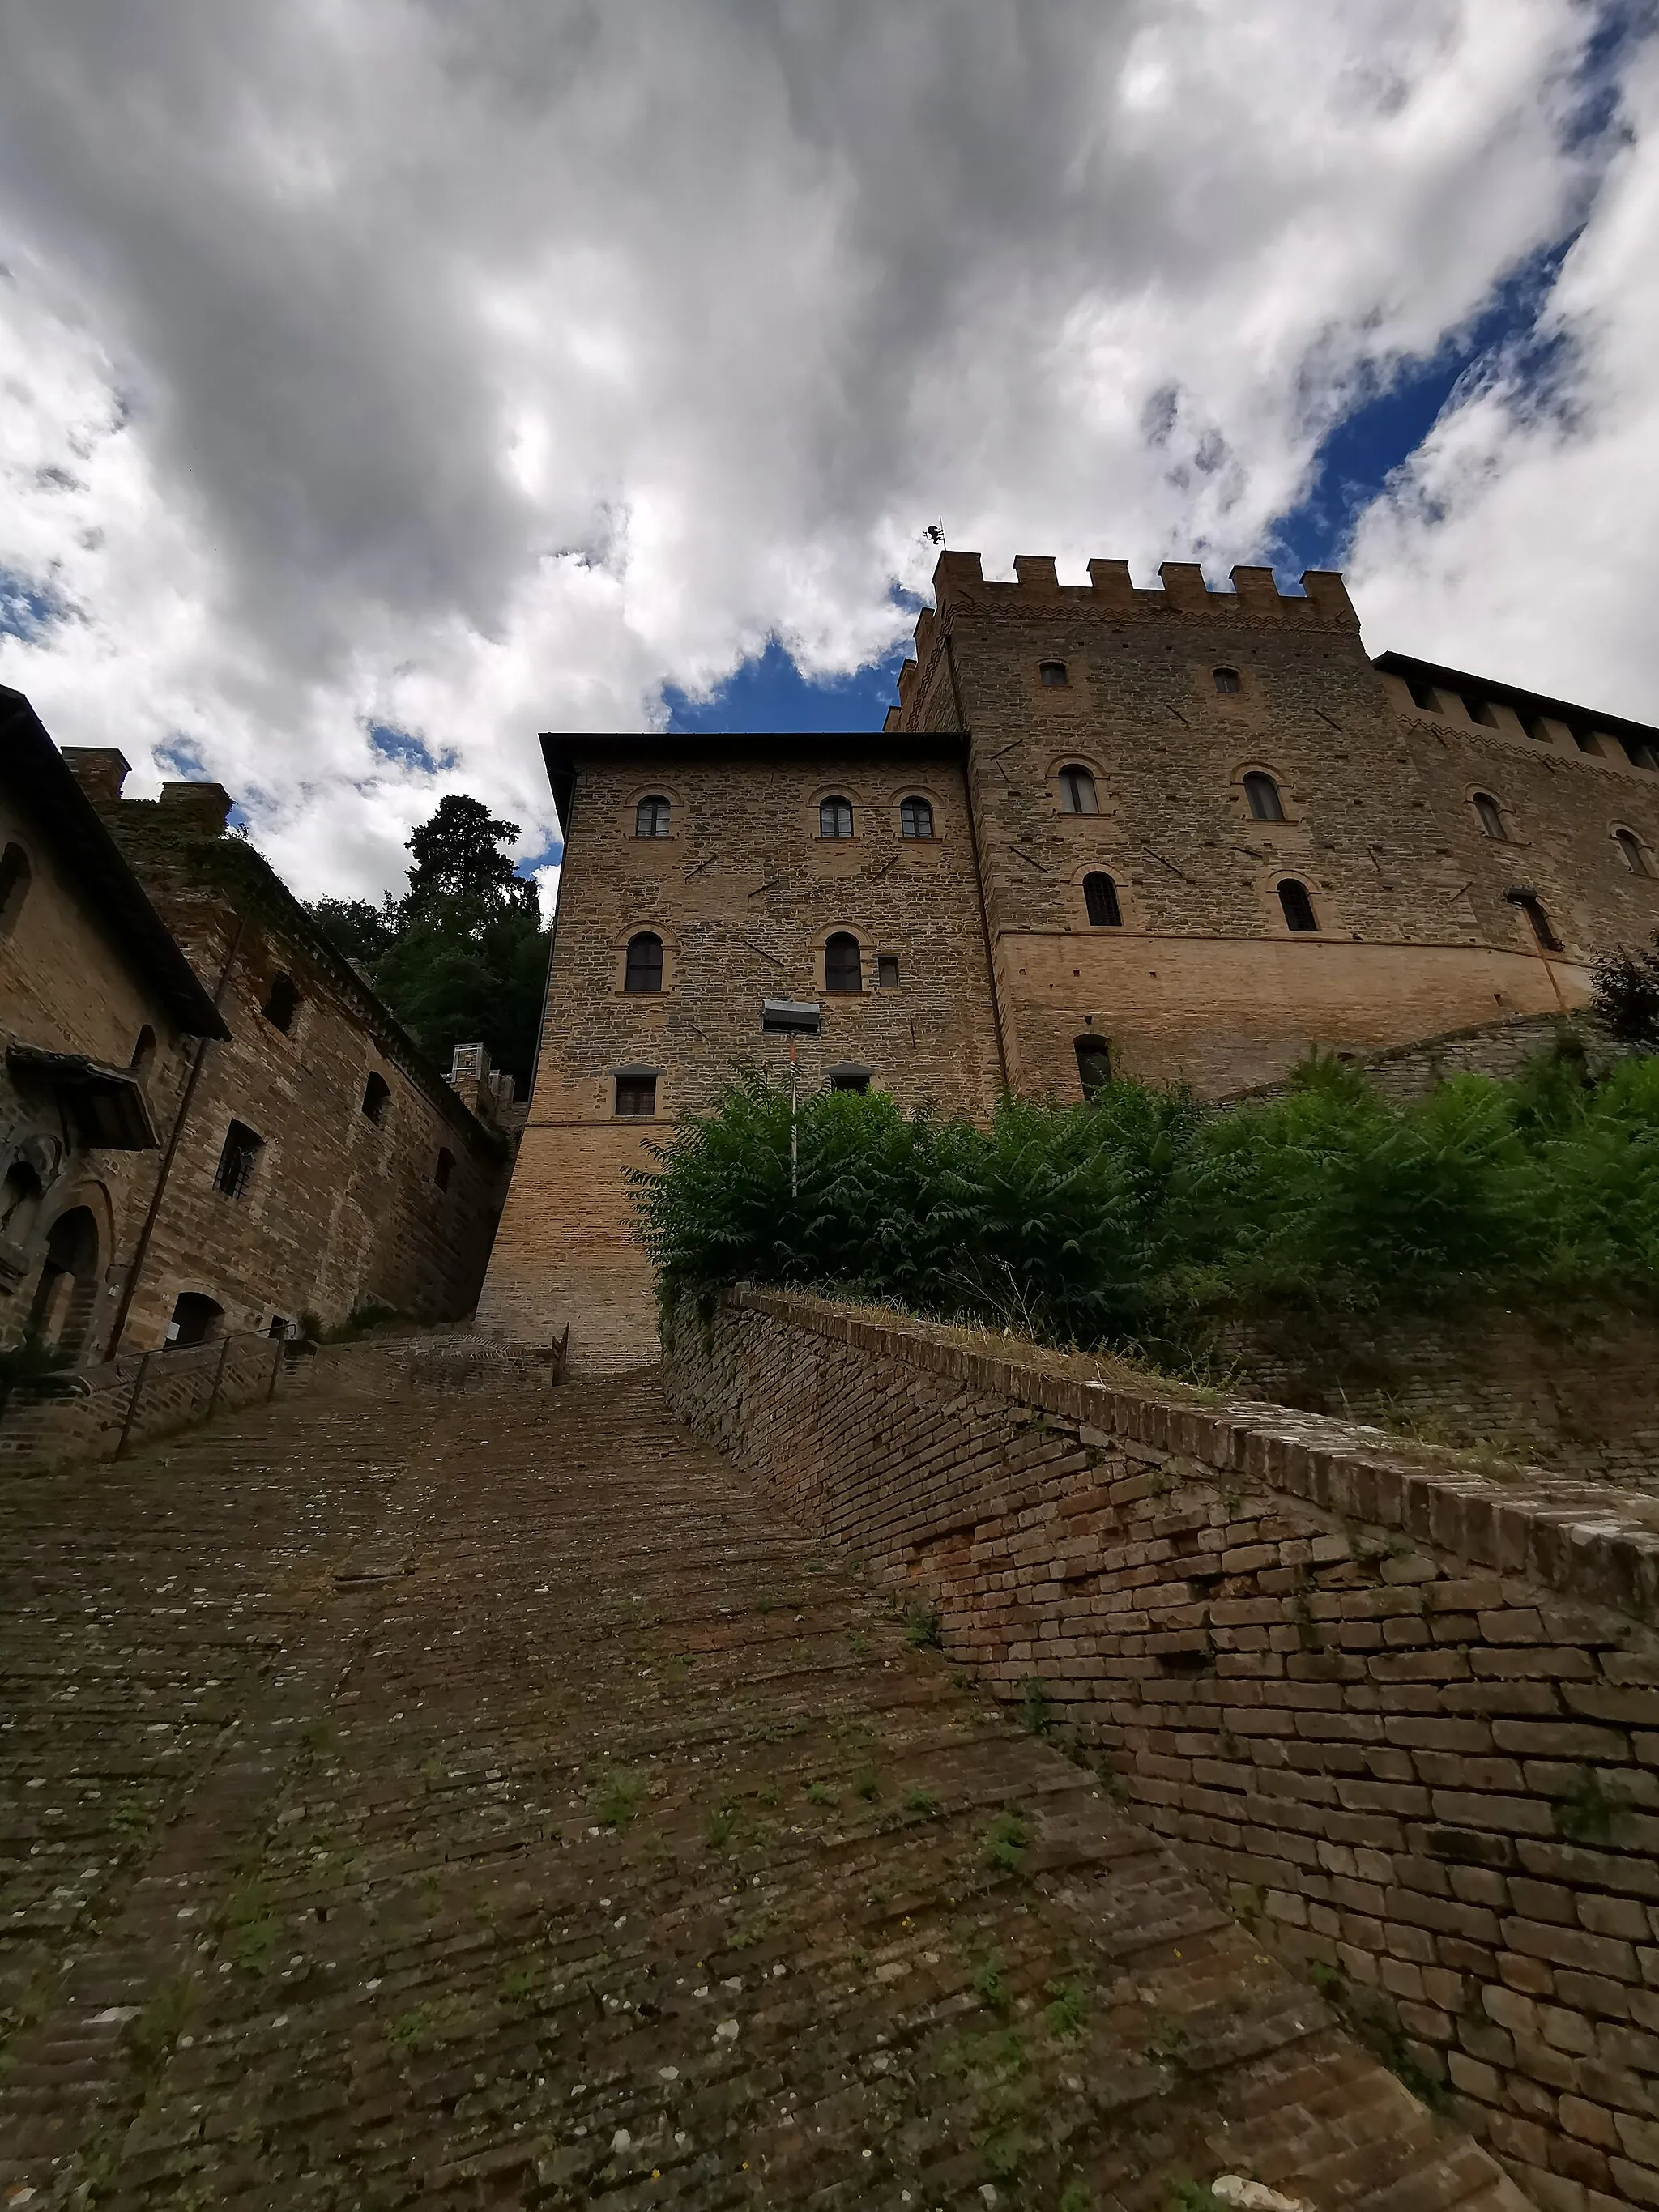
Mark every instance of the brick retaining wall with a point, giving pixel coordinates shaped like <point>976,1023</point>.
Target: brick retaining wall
<point>1406,1715</point>
<point>175,1391</point>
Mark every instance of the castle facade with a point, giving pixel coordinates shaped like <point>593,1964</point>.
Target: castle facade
<point>1176,834</point>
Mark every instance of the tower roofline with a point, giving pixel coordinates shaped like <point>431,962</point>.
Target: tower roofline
<point>1518,695</point>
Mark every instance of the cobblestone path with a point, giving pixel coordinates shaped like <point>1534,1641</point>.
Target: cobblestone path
<point>453,1799</point>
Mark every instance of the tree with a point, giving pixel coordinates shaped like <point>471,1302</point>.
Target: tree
<point>1625,994</point>
<point>462,957</point>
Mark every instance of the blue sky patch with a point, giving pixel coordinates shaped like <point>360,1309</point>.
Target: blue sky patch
<point>408,752</point>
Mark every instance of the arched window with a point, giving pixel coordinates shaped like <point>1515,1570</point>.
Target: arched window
<point>67,1292</point>
<point>1489,816</point>
<point>1630,851</point>
<point>196,1319</point>
<point>14,874</point>
<point>1542,928</point>
<point>651,817</point>
<point>916,818</point>
<point>1094,1064</point>
<point>377,1097</point>
<point>281,1002</point>
<point>1100,896</point>
<point>1297,905</point>
<point>834,817</point>
<point>1261,797</point>
<point>445,1169</point>
<point>1077,791</point>
<point>844,969</point>
<point>1227,679</point>
<point>644,970</point>
<point>144,1050</point>
<point>1052,675</point>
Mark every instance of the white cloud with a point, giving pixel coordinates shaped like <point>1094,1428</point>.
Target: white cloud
<point>1521,539</point>
<point>478,371</point>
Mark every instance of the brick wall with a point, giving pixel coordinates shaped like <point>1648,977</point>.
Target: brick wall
<point>146,1394</point>
<point>1405,1715</point>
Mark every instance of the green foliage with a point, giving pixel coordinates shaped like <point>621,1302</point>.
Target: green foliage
<point>1139,1218</point>
<point>1004,1844</point>
<point>618,1800</point>
<point>1625,994</point>
<point>924,1627</point>
<point>462,957</point>
<point>1591,1809</point>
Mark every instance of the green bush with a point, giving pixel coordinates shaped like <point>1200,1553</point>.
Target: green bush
<point>1133,1219</point>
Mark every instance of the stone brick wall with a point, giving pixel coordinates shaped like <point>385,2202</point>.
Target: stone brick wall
<point>1405,1715</point>
<point>743,892</point>
<point>1401,1073</point>
<point>145,1394</point>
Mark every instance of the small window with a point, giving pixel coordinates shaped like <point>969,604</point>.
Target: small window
<point>444,1169</point>
<point>196,1319</point>
<point>280,1326</point>
<point>14,876</point>
<point>1534,727</point>
<point>1261,796</point>
<point>1641,753</point>
<point>1424,694</point>
<point>644,969</point>
<point>651,817</point>
<point>1585,739</point>
<point>377,1097</point>
<point>1077,791</point>
<point>1227,680</point>
<point>1052,676</point>
<point>887,971</point>
<point>1533,907</point>
<point>1100,896</point>
<point>1630,851</point>
<point>916,818</point>
<point>1490,817</point>
<point>1298,907</point>
<point>1094,1064</point>
<point>282,1003</point>
<point>1480,710</point>
<point>144,1050</point>
<point>235,1172</point>
<point>843,967</point>
<point>834,817</point>
<point>849,1079</point>
<point>636,1097</point>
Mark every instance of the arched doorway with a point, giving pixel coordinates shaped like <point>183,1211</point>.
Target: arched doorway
<point>196,1318</point>
<point>67,1292</point>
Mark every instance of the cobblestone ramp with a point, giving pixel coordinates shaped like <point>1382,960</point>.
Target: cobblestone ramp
<point>485,1801</point>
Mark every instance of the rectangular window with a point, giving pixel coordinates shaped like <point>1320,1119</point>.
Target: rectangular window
<point>636,1097</point>
<point>887,971</point>
<point>236,1162</point>
<point>1423,695</point>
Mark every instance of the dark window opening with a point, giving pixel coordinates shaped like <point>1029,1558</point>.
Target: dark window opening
<point>1480,710</point>
<point>377,1096</point>
<point>280,1325</point>
<point>1227,679</point>
<point>444,1169</point>
<point>67,1293</point>
<point>843,967</point>
<point>636,1097</point>
<point>1490,817</point>
<point>1298,907</point>
<point>1094,1064</point>
<point>651,817</point>
<point>1077,791</point>
<point>196,1319</point>
<point>1641,753</point>
<point>1052,676</point>
<point>916,818</point>
<point>1533,907</point>
<point>20,1197</point>
<point>1424,694</point>
<point>14,875</point>
<point>644,970</point>
<point>1100,896</point>
<point>1584,739</point>
<point>849,1079</point>
<point>144,1050</point>
<point>1534,727</point>
<point>887,971</point>
<point>242,1147</point>
<point>1261,796</point>
<point>281,1002</point>
<point>834,817</point>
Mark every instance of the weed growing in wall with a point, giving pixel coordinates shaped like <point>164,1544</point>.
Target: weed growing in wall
<point>1136,1219</point>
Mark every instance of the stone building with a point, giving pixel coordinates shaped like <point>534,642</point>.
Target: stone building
<point>1176,833</point>
<point>244,1134</point>
<point>101,1017</point>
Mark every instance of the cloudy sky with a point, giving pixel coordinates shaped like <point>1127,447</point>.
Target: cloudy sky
<point>383,381</point>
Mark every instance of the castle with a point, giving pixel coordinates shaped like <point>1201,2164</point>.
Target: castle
<point>1178,834</point>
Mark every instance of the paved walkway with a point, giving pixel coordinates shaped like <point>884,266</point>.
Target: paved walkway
<point>483,1799</point>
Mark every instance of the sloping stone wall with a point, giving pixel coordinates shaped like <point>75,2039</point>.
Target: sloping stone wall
<point>142,1395</point>
<point>1406,1715</point>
